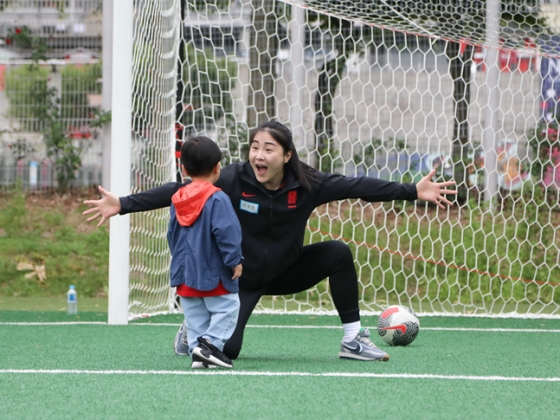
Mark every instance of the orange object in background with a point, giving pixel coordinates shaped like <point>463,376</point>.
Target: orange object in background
<point>527,57</point>
<point>2,81</point>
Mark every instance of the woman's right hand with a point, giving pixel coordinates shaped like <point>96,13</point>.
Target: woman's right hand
<point>106,207</point>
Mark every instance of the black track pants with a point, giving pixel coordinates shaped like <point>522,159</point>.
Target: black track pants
<point>330,259</point>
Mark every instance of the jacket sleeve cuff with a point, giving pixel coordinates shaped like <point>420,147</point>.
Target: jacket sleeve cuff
<point>125,205</point>
<point>412,192</point>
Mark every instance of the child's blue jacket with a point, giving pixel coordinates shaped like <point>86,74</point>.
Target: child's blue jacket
<point>204,238</point>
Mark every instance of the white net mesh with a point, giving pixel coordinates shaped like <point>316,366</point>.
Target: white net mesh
<point>156,35</point>
<point>386,89</point>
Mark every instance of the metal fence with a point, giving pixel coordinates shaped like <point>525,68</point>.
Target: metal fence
<point>26,93</point>
<point>67,78</point>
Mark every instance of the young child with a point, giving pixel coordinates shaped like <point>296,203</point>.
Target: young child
<point>204,237</point>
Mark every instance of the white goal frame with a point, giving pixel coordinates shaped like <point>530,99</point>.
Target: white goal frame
<point>119,82</point>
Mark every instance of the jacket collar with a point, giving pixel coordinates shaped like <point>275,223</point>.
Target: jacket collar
<point>190,200</point>
<point>246,173</point>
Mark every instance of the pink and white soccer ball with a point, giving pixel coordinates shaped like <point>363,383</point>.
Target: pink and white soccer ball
<point>398,325</point>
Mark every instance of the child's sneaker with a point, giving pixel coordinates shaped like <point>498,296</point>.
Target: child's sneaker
<point>181,345</point>
<point>198,363</point>
<point>210,353</point>
<point>361,348</point>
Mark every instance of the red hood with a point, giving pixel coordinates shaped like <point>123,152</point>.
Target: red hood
<point>190,199</point>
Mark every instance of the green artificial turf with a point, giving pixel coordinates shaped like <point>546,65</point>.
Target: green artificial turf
<point>93,371</point>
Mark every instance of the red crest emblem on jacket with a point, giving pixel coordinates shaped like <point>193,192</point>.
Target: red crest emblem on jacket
<point>292,199</point>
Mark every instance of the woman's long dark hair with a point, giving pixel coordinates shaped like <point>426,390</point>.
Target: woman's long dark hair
<point>306,175</point>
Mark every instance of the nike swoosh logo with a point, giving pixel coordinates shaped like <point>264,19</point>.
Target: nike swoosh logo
<point>401,328</point>
<point>244,194</point>
<point>358,347</point>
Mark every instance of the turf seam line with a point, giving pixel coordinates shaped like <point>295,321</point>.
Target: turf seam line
<point>265,373</point>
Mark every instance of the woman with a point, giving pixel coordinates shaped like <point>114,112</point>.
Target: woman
<point>273,194</point>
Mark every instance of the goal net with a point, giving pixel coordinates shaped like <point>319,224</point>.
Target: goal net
<point>388,89</point>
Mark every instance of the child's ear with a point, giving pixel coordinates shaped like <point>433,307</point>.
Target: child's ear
<point>216,168</point>
<point>184,171</point>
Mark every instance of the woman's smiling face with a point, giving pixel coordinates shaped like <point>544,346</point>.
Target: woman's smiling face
<point>267,158</point>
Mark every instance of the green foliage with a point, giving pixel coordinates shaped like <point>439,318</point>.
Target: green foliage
<point>544,141</point>
<point>236,139</point>
<point>12,218</point>
<point>329,156</point>
<point>77,82</point>
<point>65,153</point>
<point>367,155</point>
<point>209,82</point>
<point>20,148</point>
<point>43,108</point>
<point>20,37</point>
<point>27,85</point>
<point>22,83</point>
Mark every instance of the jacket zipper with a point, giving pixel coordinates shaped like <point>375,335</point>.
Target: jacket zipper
<point>268,231</point>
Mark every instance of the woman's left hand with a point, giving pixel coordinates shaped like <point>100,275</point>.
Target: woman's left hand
<point>434,191</point>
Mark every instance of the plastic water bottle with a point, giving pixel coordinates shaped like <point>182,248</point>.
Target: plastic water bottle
<point>72,301</point>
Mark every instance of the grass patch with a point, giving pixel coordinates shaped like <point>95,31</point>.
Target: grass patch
<point>47,234</point>
<point>465,260</point>
<point>436,261</point>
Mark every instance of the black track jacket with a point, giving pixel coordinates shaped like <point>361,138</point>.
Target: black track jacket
<point>273,222</point>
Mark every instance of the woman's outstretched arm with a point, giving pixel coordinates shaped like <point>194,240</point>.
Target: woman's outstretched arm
<point>110,205</point>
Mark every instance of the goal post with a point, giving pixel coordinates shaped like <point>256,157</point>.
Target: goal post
<point>121,109</point>
<point>388,89</point>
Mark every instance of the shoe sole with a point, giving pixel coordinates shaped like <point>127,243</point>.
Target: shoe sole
<point>202,365</point>
<point>351,356</point>
<point>211,359</point>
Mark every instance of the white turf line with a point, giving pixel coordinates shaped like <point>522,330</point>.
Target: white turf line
<point>323,327</point>
<point>301,374</point>
<point>271,374</point>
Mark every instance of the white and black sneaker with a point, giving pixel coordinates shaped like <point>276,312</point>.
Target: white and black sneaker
<point>181,345</point>
<point>361,348</point>
<point>211,354</point>
<point>198,363</point>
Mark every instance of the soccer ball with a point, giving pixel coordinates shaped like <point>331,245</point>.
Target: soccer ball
<point>398,325</point>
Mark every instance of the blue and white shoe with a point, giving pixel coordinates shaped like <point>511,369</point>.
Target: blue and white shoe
<point>181,345</point>
<point>361,348</point>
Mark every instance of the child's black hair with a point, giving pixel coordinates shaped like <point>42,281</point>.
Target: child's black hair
<point>199,155</point>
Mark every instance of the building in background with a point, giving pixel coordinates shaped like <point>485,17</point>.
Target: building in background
<point>72,31</point>
<point>64,25</point>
